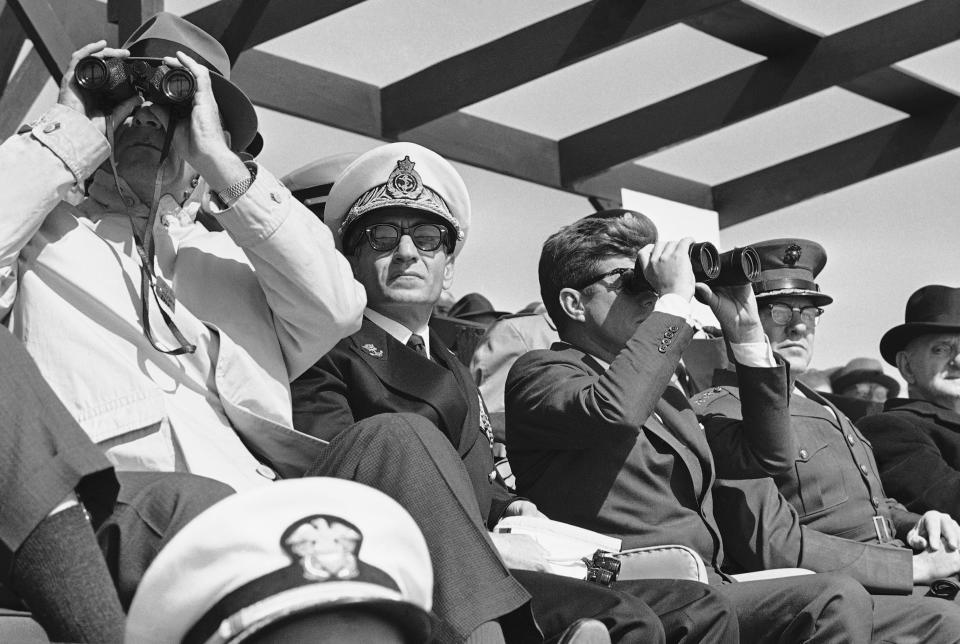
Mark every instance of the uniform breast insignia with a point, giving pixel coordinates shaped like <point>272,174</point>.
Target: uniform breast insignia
<point>485,425</point>
<point>705,397</point>
<point>373,350</point>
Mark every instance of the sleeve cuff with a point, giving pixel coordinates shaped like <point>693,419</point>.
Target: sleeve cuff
<point>753,354</point>
<point>674,304</point>
<point>73,138</point>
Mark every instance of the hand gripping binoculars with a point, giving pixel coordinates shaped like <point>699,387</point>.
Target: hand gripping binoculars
<point>114,80</point>
<point>733,268</point>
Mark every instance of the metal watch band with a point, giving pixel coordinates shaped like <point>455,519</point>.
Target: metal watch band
<point>231,194</point>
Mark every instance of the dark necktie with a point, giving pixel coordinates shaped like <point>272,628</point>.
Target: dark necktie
<point>416,343</point>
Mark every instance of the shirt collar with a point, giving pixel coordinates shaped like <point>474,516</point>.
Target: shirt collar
<point>399,332</point>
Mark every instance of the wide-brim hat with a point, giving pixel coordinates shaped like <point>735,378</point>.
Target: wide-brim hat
<point>789,267</point>
<point>164,34</point>
<point>931,309</point>
<point>863,370</point>
<point>475,307</point>
<point>311,183</point>
<point>294,547</point>
<point>399,174</point>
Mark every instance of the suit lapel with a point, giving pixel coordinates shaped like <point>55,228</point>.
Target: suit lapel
<point>469,393</point>
<point>411,375</point>
<point>672,425</point>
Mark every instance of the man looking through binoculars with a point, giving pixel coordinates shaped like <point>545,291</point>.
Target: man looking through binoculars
<point>172,344</point>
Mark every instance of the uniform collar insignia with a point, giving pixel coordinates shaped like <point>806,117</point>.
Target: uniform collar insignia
<point>373,350</point>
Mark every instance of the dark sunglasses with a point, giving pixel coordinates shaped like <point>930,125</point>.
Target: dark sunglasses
<point>629,281</point>
<point>426,237</point>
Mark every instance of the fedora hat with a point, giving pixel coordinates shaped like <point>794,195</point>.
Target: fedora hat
<point>164,34</point>
<point>931,309</point>
<point>863,370</point>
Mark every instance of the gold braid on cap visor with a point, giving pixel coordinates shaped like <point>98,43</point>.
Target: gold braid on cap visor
<point>405,188</point>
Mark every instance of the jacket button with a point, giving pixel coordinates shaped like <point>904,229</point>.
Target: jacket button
<point>850,439</point>
<point>275,197</point>
<point>662,349</point>
<point>875,501</point>
<point>668,334</point>
<point>718,389</point>
<point>866,472</point>
<point>50,127</point>
<point>266,472</point>
<point>804,454</point>
<point>668,341</point>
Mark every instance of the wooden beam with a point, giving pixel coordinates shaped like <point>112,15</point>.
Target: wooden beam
<point>649,181</point>
<point>12,38</point>
<point>492,146</point>
<point>241,25</point>
<point>21,92</point>
<point>837,166</point>
<point>130,14</point>
<point>753,29</point>
<point>277,18</point>
<point>836,59</point>
<point>526,54</point>
<point>314,94</point>
<point>50,39</point>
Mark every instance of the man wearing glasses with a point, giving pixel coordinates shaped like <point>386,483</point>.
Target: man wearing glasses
<point>401,215</point>
<point>599,437</point>
<point>833,482</point>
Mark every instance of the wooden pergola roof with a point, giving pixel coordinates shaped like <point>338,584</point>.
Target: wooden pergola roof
<point>428,105</point>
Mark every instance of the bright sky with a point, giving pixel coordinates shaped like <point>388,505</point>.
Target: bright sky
<point>885,237</point>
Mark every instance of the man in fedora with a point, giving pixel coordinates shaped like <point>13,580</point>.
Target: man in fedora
<point>833,482</point>
<point>173,345</point>
<point>863,378</point>
<point>401,213</point>
<point>917,438</point>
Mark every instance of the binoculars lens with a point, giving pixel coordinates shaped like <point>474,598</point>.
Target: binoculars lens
<point>100,75</point>
<point>706,261</point>
<point>739,266</point>
<point>178,85</point>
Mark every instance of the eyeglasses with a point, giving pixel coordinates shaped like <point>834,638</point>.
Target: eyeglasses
<point>628,281</point>
<point>781,314</point>
<point>426,237</point>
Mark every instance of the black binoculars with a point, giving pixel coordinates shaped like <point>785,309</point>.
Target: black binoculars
<point>115,79</point>
<point>603,568</point>
<point>732,268</point>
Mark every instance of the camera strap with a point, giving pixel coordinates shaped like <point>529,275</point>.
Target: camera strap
<point>146,249</point>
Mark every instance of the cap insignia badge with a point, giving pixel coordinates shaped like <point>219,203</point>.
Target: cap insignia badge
<point>326,547</point>
<point>792,256</point>
<point>404,182</point>
<point>373,350</point>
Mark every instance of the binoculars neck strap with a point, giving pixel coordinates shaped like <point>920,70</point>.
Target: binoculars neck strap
<point>146,249</point>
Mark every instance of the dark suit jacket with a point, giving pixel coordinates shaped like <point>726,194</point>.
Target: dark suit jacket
<point>371,373</point>
<point>917,445</point>
<point>833,481</point>
<point>620,452</point>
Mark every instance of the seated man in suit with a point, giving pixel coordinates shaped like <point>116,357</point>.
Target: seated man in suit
<point>834,483</point>
<point>401,214</point>
<point>917,439</point>
<point>599,437</point>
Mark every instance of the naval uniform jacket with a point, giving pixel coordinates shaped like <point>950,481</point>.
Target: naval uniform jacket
<point>619,451</point>
<point>370,373</point>
<point>833,481</point>
<point>917,445</point>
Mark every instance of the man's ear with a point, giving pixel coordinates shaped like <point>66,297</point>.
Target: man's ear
<point>227,138</point>
<point>448,273</point>
<point>903,364</point>
<point>571,301</point>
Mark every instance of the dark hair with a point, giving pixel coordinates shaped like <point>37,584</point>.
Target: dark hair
<point>572,254</point>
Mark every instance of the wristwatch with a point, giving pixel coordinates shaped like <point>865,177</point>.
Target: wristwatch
<point>229,195</point>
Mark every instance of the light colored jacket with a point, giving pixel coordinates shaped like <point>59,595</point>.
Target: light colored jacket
<point>265,299</point>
